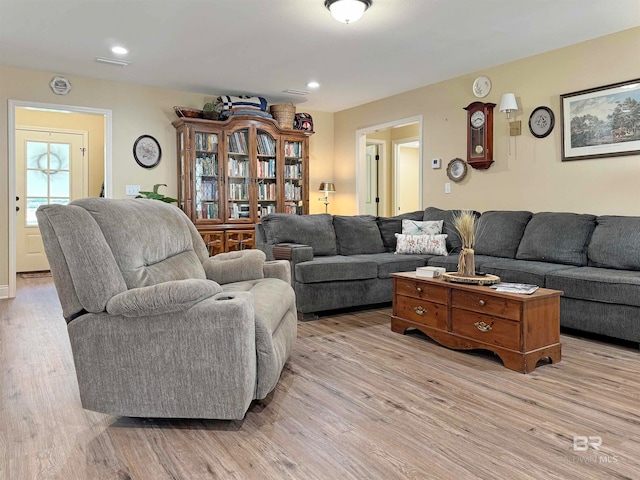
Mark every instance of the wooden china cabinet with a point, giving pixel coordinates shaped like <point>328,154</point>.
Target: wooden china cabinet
<point>232,173</point>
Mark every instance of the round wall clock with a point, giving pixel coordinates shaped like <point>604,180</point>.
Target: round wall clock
<point>481,86</point>
<point>457,169</point>
<point>146,151</point>
<point>541,122</point>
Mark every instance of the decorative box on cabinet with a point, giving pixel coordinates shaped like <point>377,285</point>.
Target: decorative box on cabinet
<point>234,172</point>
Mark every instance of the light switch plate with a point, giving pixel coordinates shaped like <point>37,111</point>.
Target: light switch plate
<point>447,187</point>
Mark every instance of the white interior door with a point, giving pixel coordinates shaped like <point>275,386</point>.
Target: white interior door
<point>372,199</point>
<point>407,179</point>
<point>50,168</point>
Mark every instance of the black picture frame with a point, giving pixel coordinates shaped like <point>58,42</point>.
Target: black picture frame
<point>146,151</point>
<point>596,123</point>
<point>541,122</point>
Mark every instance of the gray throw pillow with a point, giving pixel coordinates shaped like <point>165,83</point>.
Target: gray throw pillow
<point>557,238</point>
<point>389,226</point>
<point>313,230</point>
<point>453,237</point>
<point>498,233</point>
<point>615,243</point>
<point>357,234</point>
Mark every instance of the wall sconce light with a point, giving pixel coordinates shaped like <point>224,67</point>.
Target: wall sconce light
<point>509,104</point>
<point>326,187</point>
<point>347,11</point>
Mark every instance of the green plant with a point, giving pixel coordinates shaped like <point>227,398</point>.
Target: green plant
<point>209,107</point>
<point>157,196</point>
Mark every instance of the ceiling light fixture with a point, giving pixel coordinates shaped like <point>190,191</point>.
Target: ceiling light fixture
<point>313,84</point>
<point>119,50</point>
<point>347,11</point>
<point>111,61</point>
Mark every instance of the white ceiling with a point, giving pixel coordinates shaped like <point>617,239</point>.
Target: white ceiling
<point>263,47</point>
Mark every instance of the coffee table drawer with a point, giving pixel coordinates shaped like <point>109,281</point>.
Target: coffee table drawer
<point>485,328</point>
<point>422,290</point>
<point>421,311</point>
<point>487,304</point>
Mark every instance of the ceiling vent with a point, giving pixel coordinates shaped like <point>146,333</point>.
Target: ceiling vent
<point>111,61</point>
<point>294,91</point>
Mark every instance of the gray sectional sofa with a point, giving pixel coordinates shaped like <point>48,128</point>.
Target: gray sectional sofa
<point>345,261</point>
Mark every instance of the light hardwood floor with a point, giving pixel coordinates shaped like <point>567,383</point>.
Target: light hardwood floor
<point>355,401</point>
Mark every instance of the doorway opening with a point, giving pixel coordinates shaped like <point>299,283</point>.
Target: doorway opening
<point>382,180</point>
<point>53,119</point>
<point>406,165</point>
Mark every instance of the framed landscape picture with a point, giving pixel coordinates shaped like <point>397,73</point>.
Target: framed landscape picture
<point>601,122</point>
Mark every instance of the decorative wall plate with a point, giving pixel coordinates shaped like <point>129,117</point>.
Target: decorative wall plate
<point>541,122</point>
<point>457,169</point>
<point>481,86</point>
<point>147,151</point>
<point>60,85</point>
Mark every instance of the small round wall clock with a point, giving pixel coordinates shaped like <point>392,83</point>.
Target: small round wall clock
<point>481,86</point>
<point>457,169</point>
<point>541,122</point>
<point>147,151</point>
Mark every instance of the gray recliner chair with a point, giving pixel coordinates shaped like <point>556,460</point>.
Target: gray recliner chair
<point>157,327</point>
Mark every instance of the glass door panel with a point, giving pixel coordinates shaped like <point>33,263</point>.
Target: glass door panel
<point>47,176</point>
<point>266,174</point>
<point>293,178</point>
<point>238,174</point>
<point>207,177</point>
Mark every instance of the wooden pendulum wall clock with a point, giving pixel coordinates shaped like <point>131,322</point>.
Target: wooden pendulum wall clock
<point>480,134</point>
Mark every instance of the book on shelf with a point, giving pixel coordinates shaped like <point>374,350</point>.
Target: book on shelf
<point>521,288</point>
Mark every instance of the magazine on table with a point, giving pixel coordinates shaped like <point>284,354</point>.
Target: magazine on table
<point>522,288</point>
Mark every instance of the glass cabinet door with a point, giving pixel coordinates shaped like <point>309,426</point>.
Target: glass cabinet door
<point>266,174</point>
<point>293,177</point>
<point>206,177</point>
<point>238,175</point>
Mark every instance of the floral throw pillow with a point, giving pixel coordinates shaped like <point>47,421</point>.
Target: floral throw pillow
<point>415,227</point>
<point>421,244</point>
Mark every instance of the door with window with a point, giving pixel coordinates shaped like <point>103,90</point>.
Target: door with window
<point>50,168</point>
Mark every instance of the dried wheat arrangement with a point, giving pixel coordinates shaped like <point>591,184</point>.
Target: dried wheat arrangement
<point>465,223</point>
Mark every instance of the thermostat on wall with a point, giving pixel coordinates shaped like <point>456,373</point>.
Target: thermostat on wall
<point>435,163</point>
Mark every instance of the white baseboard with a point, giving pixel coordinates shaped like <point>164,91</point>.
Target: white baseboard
<point>4,291</point>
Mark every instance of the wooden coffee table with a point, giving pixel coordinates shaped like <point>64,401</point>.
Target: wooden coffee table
<point>520,329</point>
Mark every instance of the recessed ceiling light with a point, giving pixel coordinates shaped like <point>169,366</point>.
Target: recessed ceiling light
<point>313,84</point>
<point>119,50</point>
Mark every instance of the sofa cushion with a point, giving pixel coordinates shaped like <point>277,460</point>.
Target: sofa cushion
<point>450,262</point>
<point>557,238</point>
<point>615,243</point>
<point>421,227</point>
<point>391,263</point>
<point>421,244</point>
<point>389,226</point>
<point>598,285</point>
<point>335,268</point>
<point>356,234</point>
<point>498,233</point>
<point>521,271</point>
<point>454,244</point>
<point>313,230</point>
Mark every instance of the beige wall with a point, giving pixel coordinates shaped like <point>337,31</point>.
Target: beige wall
<point>136,110</point>
<point>92,124</point>
<point>408,170</point>
<point>532,177</point>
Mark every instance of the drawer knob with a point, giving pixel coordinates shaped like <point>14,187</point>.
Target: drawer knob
<point>481,303</point>
<point>419,310</point>
<point>483,327</point>
<point>418,289</point>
